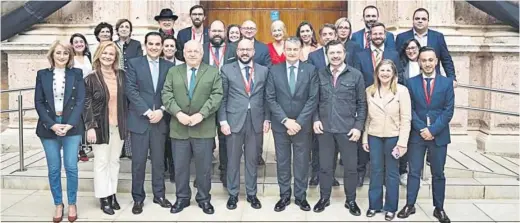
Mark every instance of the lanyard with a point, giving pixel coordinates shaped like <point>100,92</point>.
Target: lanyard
<point>216,60</point>
<point>193,35</point>
<point>428,96</point>
<point>248,83</point>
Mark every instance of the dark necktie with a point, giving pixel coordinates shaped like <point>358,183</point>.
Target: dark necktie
<point>192,83</point>
<point>292,79</point>
<point>428,85</point>
<point>247,79</point>
<point>217,57</point>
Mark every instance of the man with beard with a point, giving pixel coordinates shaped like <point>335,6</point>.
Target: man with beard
<point>433,102</point>
<point>262,57</point>
<point>365,61</point>
<point>192,94</point>
<point>195,32</point>
<point>338,123</point>
<point>217,53</point>
<point>166,20</point>
<point>292,96</point>
<point>244,117</point>
<point>362,37</point>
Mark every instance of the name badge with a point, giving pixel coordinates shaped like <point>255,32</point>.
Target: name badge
<point>428,121</point>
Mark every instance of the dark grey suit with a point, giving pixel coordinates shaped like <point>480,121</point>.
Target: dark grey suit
<point>299,106</point>
<point>142,97</point>
<point>246,124</point>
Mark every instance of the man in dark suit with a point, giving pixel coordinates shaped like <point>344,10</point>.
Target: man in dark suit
<point>431,38</point>
<point>366,62</point>
<point>195,32</point>
<point>192,94</point>
<point>262,57</point>
<point>244,117</point>
<point>146,121</point>
<point>217,53</point>
<point>362,37</point>
<point>166,20</point>
<point>338,122</point>
<point>319,59</point>
<point>433,102</point>
<point>292,96</point>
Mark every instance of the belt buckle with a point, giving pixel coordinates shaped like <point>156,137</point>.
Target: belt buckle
<point>59,113</point>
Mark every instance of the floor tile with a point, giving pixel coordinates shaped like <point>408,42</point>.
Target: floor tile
<point>501,212</point>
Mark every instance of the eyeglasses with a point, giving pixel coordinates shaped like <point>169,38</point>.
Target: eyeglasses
<point>249,28</point>
<point>412,48</point>
<point>245,50</point>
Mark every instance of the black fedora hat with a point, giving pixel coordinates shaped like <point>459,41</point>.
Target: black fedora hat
<point>166,13</point>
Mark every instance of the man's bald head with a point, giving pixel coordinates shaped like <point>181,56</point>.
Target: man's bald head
<point>193,53</point>
<point>248,29</point>
<point>217,33</point>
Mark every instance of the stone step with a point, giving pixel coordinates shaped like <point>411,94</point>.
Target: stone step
<point>456,188</point>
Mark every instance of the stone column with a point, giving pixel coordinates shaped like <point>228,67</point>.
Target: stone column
<point>110,11</point>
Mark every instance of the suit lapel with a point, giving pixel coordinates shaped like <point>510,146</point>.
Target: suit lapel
<point>69,84</point>
<point>162,75</point>
<point>47,83</point>
<point>205,57</point>
<point>430,39</point>
<point>322,58</point>
<point>184,70</point>
<point>239,78</point>
<point>420,87</point>
<point>256,77</point>
<point>284,79</point>
<point>200,73</point>
<point>299,77</point>
<point>147,71</point>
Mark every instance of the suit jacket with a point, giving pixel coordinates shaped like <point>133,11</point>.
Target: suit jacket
<point>262,56</point>
<point>184,36</point>
<point>364,63</point>
<point>438,43</point>
<point>343,107</point>
<point>141,95</point>
<point>131,50</point>
<point>235,102</point>
<point>359,37</point>
<point>299,106</point>
<point>206,100</point>
<point>440,110</point>
<point>317,58</point>
<point>230,55</point>
<point>73,102</point>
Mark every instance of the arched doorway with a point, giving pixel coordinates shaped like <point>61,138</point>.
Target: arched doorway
<point>290,12</point>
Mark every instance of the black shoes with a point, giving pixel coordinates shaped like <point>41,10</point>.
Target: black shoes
<point>105,206</point>
<point>313,181</point>
<point>255,203</point>
<point>113,202</point>
<point>389,216</point>
<point>232,202</point>
<point>303,204</point>
<point>335,183</point>
<point>407,211</point>
<point>179,206</point>
<point>441,216</point>
<point>352,208</point>
<point>163,202</point>
<point>207,207</point>
<point>282,203</point>
<point>372,213</point>
<point>321,205</point>
<point>137,208</point>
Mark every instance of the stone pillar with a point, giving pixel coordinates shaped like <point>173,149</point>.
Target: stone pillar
<point>110,11</point>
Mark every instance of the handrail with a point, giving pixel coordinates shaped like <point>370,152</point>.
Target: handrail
<point>16,89</point>
<point>488,110</point>
<point>489,89</point>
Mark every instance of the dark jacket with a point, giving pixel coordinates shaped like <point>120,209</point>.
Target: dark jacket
<point>130,50</point>
<point>96,106</point>
<point>343,107</point>
<point>73,102</point>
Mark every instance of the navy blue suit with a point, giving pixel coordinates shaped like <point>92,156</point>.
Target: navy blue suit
<point>364,63</point>
<point>437,42</point>
<point>359,37</point>
<point>262,56</point>
<point>440,111</point>
<point>73,102</point>
<point>186,35</point>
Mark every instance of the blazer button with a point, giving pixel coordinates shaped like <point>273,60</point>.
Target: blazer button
<point>47,110</point>
<point>73,88</point>
<point>72,98</point>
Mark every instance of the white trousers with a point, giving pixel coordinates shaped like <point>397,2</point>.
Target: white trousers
<point>106,164</point>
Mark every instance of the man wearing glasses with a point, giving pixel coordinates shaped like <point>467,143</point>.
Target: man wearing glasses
<point>195,32</point>
<point>243,117</point>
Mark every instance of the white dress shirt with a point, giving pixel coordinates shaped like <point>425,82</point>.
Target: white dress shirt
<point>288,67</point>
<point>413,69</point>
<point>220,54</point>
<point>423,39</point>
<point>86,66</point>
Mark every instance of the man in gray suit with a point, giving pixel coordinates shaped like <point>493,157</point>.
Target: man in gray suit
<point>338,122</point>
<point>243,115</point>
<point>146,121</point>
<point>292,96</point>
<point>217,53</point>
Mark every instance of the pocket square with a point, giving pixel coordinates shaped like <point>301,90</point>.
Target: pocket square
<point>231,58</point>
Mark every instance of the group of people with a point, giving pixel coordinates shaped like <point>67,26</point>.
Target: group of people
<point>370,98</point>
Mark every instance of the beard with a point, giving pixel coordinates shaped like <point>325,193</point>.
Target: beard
<point>245,61</point>
<point>197,24</point>
<point>217,42</point>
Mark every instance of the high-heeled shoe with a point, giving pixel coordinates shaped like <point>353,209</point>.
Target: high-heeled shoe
<point>59,219</point>
<point>73,218</point>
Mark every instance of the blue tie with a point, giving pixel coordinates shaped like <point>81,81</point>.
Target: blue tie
<point>428,86</point>
<point>247,79</point>
<point>192,83</point>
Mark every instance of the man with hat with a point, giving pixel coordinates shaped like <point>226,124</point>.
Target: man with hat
<point>166,20</point>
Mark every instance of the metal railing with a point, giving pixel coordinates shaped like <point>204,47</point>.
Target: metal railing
<point>495,90</point>
<point>20,121</point>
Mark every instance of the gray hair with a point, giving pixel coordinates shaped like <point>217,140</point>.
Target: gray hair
<point>295,40</point>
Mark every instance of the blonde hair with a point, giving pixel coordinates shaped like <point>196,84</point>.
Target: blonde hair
<point>279,23</point>
<point>393,83</point>
<point>52,49</point>
<point>96,64</point>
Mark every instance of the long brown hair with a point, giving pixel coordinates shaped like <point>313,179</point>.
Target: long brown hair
<point>377,84</point>
<point>96,64</point>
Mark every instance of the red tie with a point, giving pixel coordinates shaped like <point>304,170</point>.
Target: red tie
<point>367,42</point>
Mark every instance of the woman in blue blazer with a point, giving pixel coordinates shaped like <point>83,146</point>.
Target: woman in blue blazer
<point>59,99</point>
